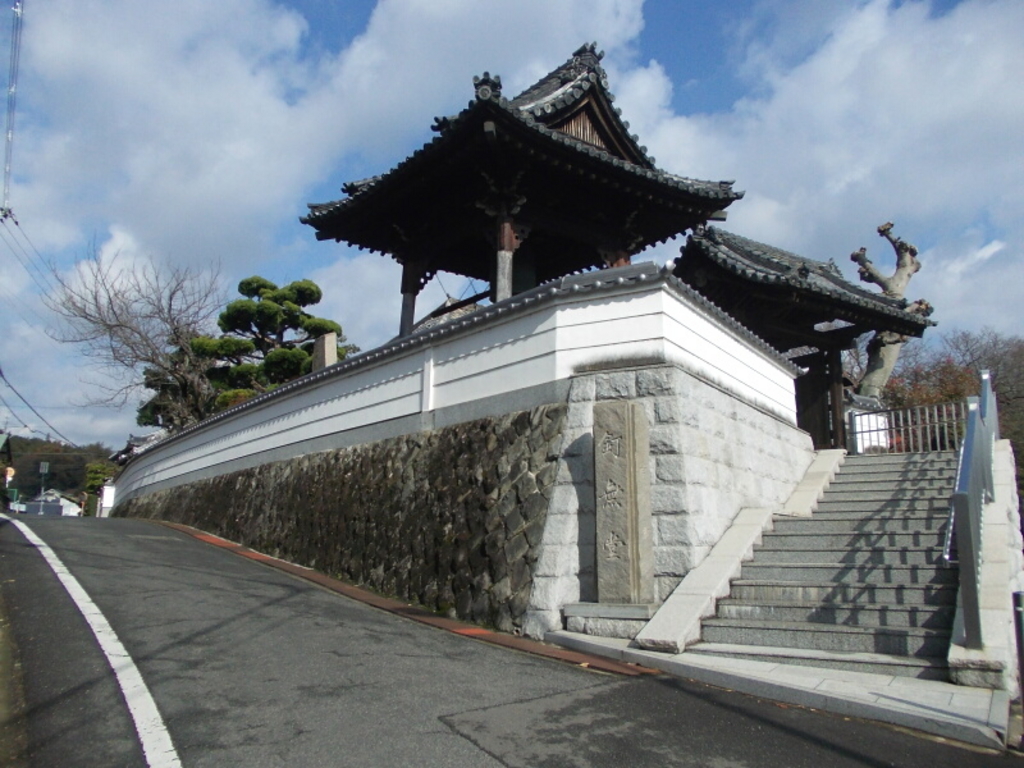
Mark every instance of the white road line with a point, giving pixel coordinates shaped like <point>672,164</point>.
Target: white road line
<point>156,740</point>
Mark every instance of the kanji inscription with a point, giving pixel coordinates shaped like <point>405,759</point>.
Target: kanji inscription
<point>625,560</point>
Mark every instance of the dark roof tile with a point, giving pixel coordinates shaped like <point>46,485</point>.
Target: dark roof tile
<point>767,264</point>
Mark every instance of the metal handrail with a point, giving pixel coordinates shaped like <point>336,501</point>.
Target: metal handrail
<point>918,429</point>
<point>974,488</point>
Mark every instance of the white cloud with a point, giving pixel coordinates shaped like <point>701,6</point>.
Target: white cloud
<point>897,114</point>
<point>197,131</point>
<point>193,131</point>
<point>975,259</point>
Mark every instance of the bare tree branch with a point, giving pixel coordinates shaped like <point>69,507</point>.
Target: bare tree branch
<point>137,322</point>
<point>883,349</point>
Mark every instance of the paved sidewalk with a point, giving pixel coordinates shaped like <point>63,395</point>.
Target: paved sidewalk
<point>972,715</point>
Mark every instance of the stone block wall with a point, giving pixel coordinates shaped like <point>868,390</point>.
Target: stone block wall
<point>493,520</point>
<point>451,519</point>
<point>711,454</point>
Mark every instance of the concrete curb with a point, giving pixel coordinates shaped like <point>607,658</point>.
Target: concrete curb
<point>819,475</point>
<point>898,701</point>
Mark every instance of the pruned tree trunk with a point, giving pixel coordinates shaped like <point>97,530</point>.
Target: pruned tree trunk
<point>884,347</point>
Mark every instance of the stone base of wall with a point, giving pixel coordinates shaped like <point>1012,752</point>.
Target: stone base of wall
<point>621,628</point>
<point>711,454</point>
<point>608,620</point>
<point>450,519</point>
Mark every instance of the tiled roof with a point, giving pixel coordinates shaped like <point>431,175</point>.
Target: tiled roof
<point>559,90</point>
<point>769,265</point>
<point>540,104</point>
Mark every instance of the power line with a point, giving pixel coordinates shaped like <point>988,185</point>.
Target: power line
<point>21,230</point>
<point>438,276</point>
<point>41,417</point>
<point>15,415</point>
<point>17,305</point>
<point>39,280</point>
<point>54,407</point>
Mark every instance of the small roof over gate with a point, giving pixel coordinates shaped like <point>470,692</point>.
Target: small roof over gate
<point>788,300</point>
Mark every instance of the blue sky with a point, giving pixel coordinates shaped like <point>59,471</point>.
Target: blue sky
<point>195,132</point>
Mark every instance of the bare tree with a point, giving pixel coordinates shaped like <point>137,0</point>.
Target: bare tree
<point>137,323</point>
<point>883,350</point>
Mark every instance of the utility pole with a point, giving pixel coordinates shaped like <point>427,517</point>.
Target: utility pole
<point>12,96</point>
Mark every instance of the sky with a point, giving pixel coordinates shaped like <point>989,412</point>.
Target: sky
<point>195,133</point>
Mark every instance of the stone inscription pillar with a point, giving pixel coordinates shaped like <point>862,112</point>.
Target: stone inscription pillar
<point>325,350</point>
<point>625,552</point>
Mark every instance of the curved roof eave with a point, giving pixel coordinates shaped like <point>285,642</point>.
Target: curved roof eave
<point>739,255</point>
<point>719,191</point>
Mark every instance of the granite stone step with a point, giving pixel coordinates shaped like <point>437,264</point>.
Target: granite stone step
<point>929,484</point>
<point>907,474</point>
<point>769,553</point>
<point>869,615</point>
<point>907,641</point>
<point>848,523</point>
<point>866,506</point>
<point>934,668</point>
<point>846,515</point>
<point>871,492</point>
<point>857,594</point>
<point>849,573</point>
<point>940,461</point>
<point>902,460</point>
<point>802,538</point>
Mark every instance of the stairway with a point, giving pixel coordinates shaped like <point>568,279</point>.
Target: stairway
<point>859,585</point>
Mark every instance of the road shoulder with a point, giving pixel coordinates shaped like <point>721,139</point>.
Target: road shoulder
<point>13,733</point>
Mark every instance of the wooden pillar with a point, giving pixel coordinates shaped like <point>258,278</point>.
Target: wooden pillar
<point>507,243</point>
<point>835,375</point>
<point>812,400</point>
<point>412,284</point>
<point>408,314</point>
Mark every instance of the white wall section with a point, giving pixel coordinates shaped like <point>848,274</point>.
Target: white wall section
<point>517,348</point>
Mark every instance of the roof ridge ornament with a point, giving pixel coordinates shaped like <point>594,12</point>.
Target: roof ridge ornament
<point>585,60</point>
<point>487,88</point>
<point>589,51</point>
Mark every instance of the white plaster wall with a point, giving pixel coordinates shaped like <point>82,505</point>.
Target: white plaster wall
<point>532,341</point>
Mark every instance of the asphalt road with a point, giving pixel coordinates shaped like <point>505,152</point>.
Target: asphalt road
<point>253,667</point>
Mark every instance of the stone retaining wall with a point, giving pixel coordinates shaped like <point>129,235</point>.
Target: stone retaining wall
<point>451,519</point>
<point>711,454</point>
<point>493,520</point>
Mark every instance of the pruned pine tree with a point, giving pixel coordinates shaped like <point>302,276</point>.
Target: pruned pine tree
<point>267,339</point>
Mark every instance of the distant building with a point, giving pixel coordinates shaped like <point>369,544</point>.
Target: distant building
<point>50,503</point>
